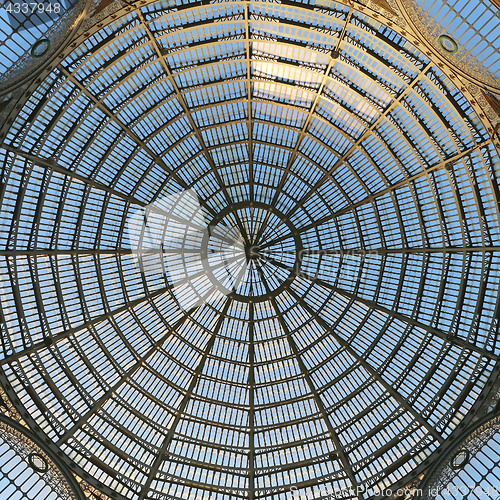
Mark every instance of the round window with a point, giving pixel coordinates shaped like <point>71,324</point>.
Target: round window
<point>40,48</point>
<point>448,44</point>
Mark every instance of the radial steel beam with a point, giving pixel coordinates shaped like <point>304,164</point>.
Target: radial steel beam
<point>112,116</point>
<point>319,403</point>
<point>374,373</point>
<point>251,402</point>
<point>389,189</point>
<point>321,407</point>
<point>88,324</point>
<point>395,251</point>
<point>126,376</point>
<point>160,457</point>
<point>401,317</point>
<point>183,103</point>
<point>49,252</point>
<point>248,53</point>
<point>56,338</point>
<point>343,159</point>
<point>53,166</point>
<point>310,114</point>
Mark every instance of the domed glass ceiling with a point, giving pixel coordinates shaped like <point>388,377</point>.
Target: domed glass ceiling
<point>474,25</point>
<point>27,472</point>
<point>250,248</point>
<point>477,474</point>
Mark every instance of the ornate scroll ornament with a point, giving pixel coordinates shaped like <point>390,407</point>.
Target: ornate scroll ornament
<point>90,491</point>
<point>431,32</point>
<point>37,459</point>
<point>486,102</point>
<point>8,409</point>
<point>386,6</point>
<point>100,10</point>
<point>492,101</point>
<point>451,464</point>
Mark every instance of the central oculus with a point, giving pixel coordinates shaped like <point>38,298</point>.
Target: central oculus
<point>252,251</point>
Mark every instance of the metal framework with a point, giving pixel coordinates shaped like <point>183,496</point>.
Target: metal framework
<point>470,465</point>
<point>322,315</point>
<point>29,470</point>
<point>467,33</point>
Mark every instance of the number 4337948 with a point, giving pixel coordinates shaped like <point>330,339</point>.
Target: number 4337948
<point>30,8</point>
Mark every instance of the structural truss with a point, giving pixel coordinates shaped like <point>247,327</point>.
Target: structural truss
<point>353,325</point>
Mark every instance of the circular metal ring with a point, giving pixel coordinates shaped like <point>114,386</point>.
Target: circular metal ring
<point>44,42</point>
<point>448,44</point>
<point>36,456</point>
<point>292,231</point>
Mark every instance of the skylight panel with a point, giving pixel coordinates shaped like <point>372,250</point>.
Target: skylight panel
<point>343,263</point>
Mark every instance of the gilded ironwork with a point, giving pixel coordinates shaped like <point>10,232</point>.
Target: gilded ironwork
<point>249,249</point>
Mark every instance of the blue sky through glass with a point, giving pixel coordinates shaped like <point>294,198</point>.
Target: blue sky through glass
<point>242,103</point>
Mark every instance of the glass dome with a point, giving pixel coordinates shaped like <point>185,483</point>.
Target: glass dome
<point>250,250</point>
<point>471,468</point>
<point>475,26</point>
<point>27,472</point>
